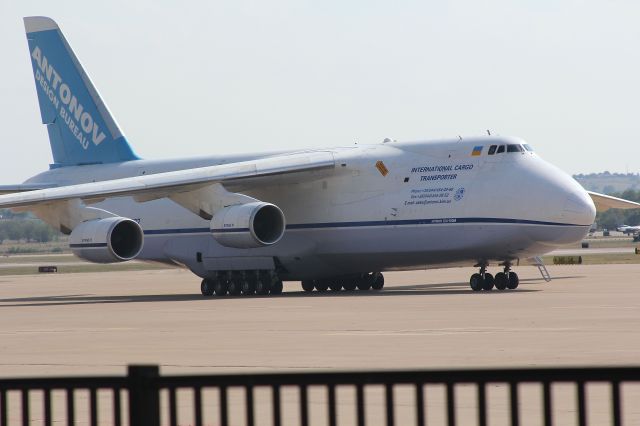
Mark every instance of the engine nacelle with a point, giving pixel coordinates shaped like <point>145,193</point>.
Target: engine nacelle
<point>110,240</point>
<point>248,225</point>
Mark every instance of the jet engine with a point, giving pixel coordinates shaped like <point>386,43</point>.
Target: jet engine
<point>110,240</point>
<point>249,225</point>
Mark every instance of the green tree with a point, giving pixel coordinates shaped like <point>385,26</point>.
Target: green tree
<point>610,219</point>
<point>14,230</point>
<point>43,233</point>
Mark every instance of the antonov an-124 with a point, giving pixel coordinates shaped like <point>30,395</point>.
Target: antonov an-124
<point>333,218</point>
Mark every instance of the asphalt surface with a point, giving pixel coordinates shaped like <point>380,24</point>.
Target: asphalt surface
<point>97,323</point>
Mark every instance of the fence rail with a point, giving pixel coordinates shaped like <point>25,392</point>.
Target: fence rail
<point>137,399</point>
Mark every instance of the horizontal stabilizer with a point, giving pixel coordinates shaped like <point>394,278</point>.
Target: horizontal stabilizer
<point>606,202</point>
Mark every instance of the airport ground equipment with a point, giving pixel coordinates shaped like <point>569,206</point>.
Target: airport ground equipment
<point>144,397</point>
<point>537,261</point>
<point>567,260</point>
<point>334,218</point>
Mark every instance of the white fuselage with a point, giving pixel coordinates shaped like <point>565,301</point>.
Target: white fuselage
<point>437,205</point>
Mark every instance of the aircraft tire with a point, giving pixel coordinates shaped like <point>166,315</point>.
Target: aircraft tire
<point>276,287</point>
<point>377,281</point>
<point>335,285</point>
<point>220,287</point>
<point>263,286</point>
<point>476,282</point>
<point>308,285</point>
<point>206,287</point>
<point>364,283</point>
<point>349,285</point>
<point>501,281</point>
<point>514,281</point>
<point>321,285</point>
<point>248,286</point>
<point>487,283</point>
<point>235,287</point>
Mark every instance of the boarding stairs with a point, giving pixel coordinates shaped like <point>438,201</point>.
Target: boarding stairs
<point>537,261</point>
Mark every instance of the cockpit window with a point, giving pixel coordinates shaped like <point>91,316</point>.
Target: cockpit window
<point>500,149</point>
<point>514,148</point>
<point>528,147</point>
<point>492,149</point>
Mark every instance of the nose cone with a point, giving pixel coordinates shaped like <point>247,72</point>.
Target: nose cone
<point>555,198</point>
<point>571,207</point>
<point>579,208</point>
<point>561,199</point>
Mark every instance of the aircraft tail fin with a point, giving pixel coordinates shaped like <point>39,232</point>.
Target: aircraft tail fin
<point>81,128</point>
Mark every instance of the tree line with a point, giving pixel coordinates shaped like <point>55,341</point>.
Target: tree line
<point>24,227</point>
<point>29,230</point>
<point>612,218</point>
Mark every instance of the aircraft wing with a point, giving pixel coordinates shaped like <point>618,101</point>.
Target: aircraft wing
<point>23,187</point>
<point>606,202</point>
<point>161,185</point>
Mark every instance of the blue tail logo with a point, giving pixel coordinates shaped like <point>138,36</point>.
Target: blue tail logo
<point>81,128</point>
<point>79,121</point>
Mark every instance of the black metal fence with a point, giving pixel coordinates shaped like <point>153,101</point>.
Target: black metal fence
<point>143,397</point>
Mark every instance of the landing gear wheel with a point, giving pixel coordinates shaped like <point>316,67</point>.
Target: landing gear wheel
<point>276,287</point>
<point>263,285</point>
<point>514,281</point>
<point>248,286</point>
<point>220,287</point>
<point>364,283</point>
<point>308,285</point>
<point>206,287</point>
<point>501,281</point>
<point>235,287</point>
<point>322,285</point>
<point>349,285</point>
<point>335,285</point>
<point>476,282</point>
<point>487,283</point>
<point>377,281</point>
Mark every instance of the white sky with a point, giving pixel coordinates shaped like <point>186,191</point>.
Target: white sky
<point>216,77</point>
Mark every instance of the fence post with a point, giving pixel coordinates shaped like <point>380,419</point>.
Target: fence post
<point>144,395</point>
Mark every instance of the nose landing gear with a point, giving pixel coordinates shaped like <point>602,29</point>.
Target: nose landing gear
<point>503,280</point>
<point>482,280</point>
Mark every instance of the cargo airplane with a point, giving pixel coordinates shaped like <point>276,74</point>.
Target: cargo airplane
<point>332,218</point>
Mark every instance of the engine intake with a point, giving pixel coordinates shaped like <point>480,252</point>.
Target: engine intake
<point>248,225</point>
<point>110,240</point>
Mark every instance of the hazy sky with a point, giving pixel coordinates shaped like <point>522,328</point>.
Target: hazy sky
<point>214,77</point>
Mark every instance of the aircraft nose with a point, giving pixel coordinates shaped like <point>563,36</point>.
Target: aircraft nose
<point>579,208</point>
<point>563,202</point>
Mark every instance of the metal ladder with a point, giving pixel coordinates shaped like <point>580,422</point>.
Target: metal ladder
<point>543,269</point>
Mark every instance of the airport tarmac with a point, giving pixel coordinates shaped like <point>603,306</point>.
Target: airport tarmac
<point>97,323</point>
<point>100,322</point>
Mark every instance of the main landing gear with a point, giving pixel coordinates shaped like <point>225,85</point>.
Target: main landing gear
<point>236,283</point>
<point>372,281</point>
<point>502,281</point>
